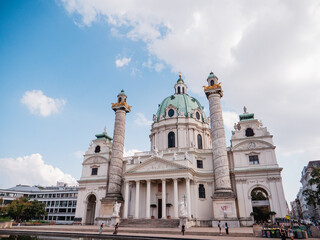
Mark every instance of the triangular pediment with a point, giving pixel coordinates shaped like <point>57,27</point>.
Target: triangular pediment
<point>251,145</point>
<point>156,164</point>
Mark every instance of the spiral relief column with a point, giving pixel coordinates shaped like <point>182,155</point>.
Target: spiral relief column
<point>224,207</point>
<point>116,162</point>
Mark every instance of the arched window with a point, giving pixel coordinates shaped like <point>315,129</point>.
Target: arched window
<point>259,194</point>
<point>199,137</point>
<point>119,99</point>
<point>249,132</point>
<point>183,90</point>
<point>202,191</point>
<point>179,91</point>
<point>97,149</point>
<point>198,115</point>
<point>211,82</point>
<point>171,140</point>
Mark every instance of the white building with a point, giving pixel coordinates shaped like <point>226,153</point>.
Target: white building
<point>60,201</point>
<point>307,212</point>
<point>188,163</point>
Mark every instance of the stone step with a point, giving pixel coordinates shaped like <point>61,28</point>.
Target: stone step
<point>150,223</point>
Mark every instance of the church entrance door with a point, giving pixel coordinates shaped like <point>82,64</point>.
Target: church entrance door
<point>159,208</point>
<point>260,205</point>
<point>91,208</point>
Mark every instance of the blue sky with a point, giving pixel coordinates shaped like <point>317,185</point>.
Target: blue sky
<point>73,57</point>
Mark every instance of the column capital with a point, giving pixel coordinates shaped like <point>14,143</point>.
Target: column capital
<point>187,179</point>
<point>137,181</point>
<point>148,180</point>
<point>163,179</point>
<point>175,179</point>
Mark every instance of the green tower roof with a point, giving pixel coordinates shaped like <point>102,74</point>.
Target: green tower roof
<point>246,117</point>
<point>103,135</point>
<point>122,93</point>
<point>211,75</point>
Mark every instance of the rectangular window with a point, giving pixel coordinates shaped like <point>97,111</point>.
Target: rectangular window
<point>94,171</point>
<point>202,191</point>
<point>253,160</point>
<point>199,164</point>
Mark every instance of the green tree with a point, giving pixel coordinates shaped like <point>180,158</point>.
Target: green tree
<point>24,209</point>
<point>35,210</point>
<point>312,197</point>
<point>17,207</point>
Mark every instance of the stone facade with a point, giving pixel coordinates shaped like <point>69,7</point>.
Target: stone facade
<point>189,172</point>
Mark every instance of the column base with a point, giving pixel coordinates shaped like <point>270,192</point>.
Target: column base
<point>233,223</point>
<point>113,197</point>
<point>106,209</point>
<point>114,221</point>
<point>224,209</point>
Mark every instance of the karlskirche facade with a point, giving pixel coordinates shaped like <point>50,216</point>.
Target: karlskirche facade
<point>189,174</point>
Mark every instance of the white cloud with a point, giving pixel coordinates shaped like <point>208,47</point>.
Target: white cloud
<point>130,152</point>
<point>31,170</point>
<point>122,62</point>
<point>141,120</point>
<point>158,67</point>
<point>229,119</point>
<point>265,53</point>
<point>40,104</point>
<point>79,154</point>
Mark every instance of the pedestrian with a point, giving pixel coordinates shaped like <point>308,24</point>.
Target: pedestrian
<point>290,233</point>
<point>283,234</point>
<point>101,227</point>
<point>219,226</point>
<point>226,228</point>
<point>183,228</point>
<point>116,228</point>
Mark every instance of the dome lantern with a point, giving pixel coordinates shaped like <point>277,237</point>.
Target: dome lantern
<point>212,79</point>
<point>180,87</point>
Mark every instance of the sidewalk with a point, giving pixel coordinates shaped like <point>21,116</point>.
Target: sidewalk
<point>92,231</point>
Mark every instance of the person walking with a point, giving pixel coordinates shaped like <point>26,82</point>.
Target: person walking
<point>219,226</point>
<point>226,228</point>
<point>283,234</point>
<point>116,228</point>
<point>290,233</point>
<point>183,228</point>
<point>101,227</point>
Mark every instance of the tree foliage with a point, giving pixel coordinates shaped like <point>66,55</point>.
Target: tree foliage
<point>24,209</point>
<point>312,197</point>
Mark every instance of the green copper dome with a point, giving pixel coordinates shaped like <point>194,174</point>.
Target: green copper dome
<point>183,102</point>
<point>122,93</point>
<point>211,75</point>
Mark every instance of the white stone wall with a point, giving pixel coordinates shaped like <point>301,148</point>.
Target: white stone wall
<point>265,175</point>
<point>93,184</point>
<point>185,129</point>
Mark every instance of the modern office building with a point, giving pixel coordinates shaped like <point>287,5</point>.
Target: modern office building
<point>60,201</point>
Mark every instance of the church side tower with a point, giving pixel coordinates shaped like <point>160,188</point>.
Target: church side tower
<point>121,108</point>
<point>224,207</point>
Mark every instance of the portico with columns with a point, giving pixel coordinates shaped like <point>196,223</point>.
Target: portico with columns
<point>147,184</point>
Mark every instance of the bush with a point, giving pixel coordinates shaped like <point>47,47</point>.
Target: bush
<point>5,219</point>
